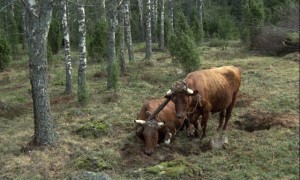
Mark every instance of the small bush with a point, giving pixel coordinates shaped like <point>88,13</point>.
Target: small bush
<point>97,45</point>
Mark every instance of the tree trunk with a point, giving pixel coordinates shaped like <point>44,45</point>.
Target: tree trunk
<point>162,25</point>
<point>128,30</point>
<point>122,16</point>
<point>82,86</point>
<point>68,62</point>
<point>102,9</point>
<point>148,31</point>
<point>141,20</point>
<point>111,43</point>
<point>154,19</point>
<point>24,29</point>
<point>38,27</point>
<point>171,15</point>
<point>200,12</point>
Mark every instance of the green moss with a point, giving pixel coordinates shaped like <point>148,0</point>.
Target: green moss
<point>173,169</point>
<point>91,163</point>
<point>93,129</point>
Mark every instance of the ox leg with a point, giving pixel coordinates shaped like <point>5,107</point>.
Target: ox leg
<point>221,121</point>
<point>204,120</point>
<point>228,111</point>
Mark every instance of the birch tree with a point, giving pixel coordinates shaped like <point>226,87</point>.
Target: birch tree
<point>112,18</point>
<point>141,20</point>
<point>148,31</point>
<point>199,6</point>
<point>171,15</point>
<point>82,85</point>
<point>68,62</point>
<point>122,38</point>
<point>154,15</point>
<point>128,30</point>
<point>39,18</point>
<point>162,24</point>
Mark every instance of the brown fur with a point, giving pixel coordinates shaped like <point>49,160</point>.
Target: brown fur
<point>217,87</point>
<point>151,134</point>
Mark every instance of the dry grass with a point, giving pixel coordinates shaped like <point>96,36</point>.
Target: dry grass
<point>269,86</point>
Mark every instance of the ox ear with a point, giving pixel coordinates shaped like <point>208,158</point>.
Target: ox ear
<point>140,121</point>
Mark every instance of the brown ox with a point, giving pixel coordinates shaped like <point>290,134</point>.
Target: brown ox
<point>204,92</point>
<point>161,129</point>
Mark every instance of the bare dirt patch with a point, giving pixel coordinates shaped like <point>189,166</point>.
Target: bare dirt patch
<point>244,100</point>
<point>256,120</point>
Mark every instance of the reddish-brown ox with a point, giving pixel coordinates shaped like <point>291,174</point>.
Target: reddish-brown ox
<point>204,92</point>
<point>158,130</point>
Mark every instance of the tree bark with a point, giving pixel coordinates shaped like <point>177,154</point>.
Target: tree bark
<point>154,7</point>
<point>200,11</point>
<point>162,25</point>
<point>148,31</point>
<point>68,62</point>
<point>122,38</point>
<point>141,20</point>
<point>38,27</point>
<point>82,86</point>
<point>171,15</point>
<point>111,42</point>
<point>128,30</point>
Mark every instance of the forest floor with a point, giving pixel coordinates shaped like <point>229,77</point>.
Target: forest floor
<point>263,131</point>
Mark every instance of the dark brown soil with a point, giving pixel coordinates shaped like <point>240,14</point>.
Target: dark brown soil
<point>255,121</point>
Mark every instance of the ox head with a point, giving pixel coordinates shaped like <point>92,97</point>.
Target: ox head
<point>149,131</point>
<point>180,94</point>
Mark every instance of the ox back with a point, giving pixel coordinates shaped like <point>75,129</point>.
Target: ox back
<point>206,91</point>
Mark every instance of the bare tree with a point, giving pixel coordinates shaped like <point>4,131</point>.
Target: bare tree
<point>162,24</point>
<point>68,62</point>
<point>122,28</point>
<point>39,18</point>
<point>141,20</point>
<point>199,6</point>
<point>82,85</point>
<point>148,31</point>
<point>171,14</point>
<point>128,30</point>
<point>112,18</point>
<point>154,18</point>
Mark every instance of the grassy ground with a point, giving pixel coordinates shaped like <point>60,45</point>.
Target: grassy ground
<point>263,134</point>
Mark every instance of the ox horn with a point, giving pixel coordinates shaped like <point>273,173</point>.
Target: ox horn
<point>160,124</point>
<point>188,90</point>
<point>169,92</point>
<point>140,121</point>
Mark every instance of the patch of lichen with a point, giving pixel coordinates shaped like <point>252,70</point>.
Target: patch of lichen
<point>174,169</point>
<point>93,129</point>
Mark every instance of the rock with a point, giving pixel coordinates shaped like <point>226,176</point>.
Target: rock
<point>91,176</point>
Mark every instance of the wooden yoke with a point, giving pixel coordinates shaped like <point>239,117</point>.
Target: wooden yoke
<point>159,108</point>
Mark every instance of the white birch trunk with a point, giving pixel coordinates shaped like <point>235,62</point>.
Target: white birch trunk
<point>128,30</point>
<point>171,15</point>
<point>154,18</point>
<point>68,62</point>
<point>122,43</point>
<point>200,11</point>
<point>148,31</point>
<point>82,86</point>
<point>141,20</point>
<point>112,18</point>
<point>162,25</point>
<point>38,26</point>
